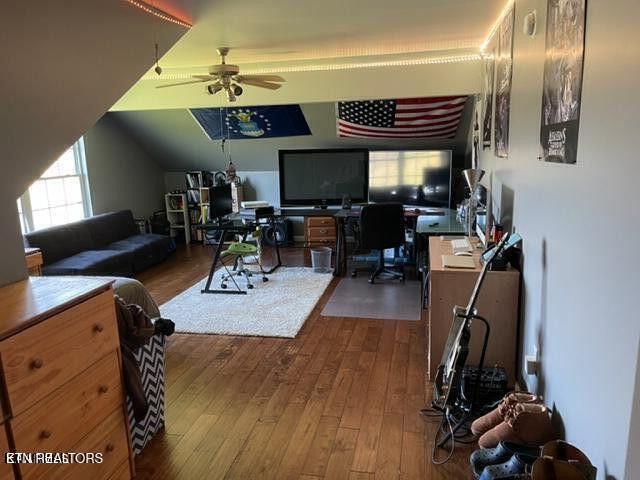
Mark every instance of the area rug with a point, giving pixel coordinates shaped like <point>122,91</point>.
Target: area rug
<point>392,300</point>
<point>277,308</point>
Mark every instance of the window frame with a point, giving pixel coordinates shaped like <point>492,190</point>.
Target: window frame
<point>25,210</point>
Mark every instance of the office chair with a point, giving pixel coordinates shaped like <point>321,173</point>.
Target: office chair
<point>381,227</point>
<point>241,250</point>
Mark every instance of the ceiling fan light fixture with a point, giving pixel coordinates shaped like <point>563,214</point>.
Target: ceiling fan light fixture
<point>213,89</point>
<point>237,89</point>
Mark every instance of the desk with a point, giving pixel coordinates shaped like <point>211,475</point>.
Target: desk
<point>498,303</point>
<point>445,218</point>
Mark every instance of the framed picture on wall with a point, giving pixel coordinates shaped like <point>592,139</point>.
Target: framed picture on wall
<point>562,83</point>
<point>504,70</point>
<point>487,99</point>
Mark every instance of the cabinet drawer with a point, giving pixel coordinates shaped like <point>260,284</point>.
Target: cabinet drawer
<point>6,469</point>
<point>109,439</point>
<point>322,242</point>
<point>320,232</point>
<point>320,222</point>
<point>60,420</point>
<point>49,354</point>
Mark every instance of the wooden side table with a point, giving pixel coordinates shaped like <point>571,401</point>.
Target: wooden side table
<point>33,257</point>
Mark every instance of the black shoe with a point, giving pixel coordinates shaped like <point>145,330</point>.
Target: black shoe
<point>500,454</point>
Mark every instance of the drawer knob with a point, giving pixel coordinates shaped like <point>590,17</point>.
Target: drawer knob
<point>37,363</point>
<point>45,434</point>
<point>98,327</point>
<point>110,447</point>
<point>103,389</point>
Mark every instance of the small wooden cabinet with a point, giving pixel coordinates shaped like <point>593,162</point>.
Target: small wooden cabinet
<point>320,231</point>
<point>61,375</point>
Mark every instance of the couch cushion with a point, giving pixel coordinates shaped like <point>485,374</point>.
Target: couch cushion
<point>62,241</point>
<point>147,249</point>
<point>93,262</point>
<point>111,227</point>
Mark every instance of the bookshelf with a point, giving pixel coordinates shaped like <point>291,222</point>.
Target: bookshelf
<point>177,210</point>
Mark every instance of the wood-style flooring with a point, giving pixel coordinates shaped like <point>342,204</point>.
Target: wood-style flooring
<point>339,401</point>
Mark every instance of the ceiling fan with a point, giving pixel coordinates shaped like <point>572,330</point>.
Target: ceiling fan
<point>227,77</point>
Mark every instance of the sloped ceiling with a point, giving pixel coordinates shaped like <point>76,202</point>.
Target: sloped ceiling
<point>315,46</point>
<point>177,143</point>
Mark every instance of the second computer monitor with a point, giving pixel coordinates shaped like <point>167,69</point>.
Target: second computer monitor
<point>220,202</point>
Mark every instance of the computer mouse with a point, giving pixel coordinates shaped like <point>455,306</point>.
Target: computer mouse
<point>464,254</point>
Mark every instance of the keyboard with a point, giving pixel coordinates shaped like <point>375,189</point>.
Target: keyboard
<point>461,245</point>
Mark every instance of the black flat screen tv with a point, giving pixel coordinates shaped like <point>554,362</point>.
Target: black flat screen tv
<point>420,178</point>
<point>323,177</point>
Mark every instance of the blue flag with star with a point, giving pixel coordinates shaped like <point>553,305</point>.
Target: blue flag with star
<point>252,122</point>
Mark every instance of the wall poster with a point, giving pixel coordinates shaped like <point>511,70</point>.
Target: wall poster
<point>562,84</point>
<point>487,100</point>
<point>504,70</point>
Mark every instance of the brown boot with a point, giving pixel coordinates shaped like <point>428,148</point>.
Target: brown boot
<point>547,468</point>
<point>561,450</point>
<point>526,423</point>
<point>497,416</point>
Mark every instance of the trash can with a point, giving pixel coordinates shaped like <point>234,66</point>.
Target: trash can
<point>321,259</point>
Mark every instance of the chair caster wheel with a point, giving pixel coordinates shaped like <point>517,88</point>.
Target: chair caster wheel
<point>223,285</point>
<point>354,274</point>
<point>249,287</point>
<point>250,274</point>
<point>265,279</point>
<point>371,280</point>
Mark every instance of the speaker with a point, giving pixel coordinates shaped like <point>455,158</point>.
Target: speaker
<point>281,231</point>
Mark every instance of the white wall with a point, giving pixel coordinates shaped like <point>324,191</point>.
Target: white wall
<point>580,226</point>
<point>63,65</point>
<point>121,174</point>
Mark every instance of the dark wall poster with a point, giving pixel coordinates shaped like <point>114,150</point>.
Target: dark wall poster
<point>487,100</point>
<point>504,69</point>
<point>562,85</point>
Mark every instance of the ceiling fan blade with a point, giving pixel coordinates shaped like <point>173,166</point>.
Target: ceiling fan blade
<point>182,83</point>
<point>205,78</point>
<point>264,78</point>
<point>260,83</point>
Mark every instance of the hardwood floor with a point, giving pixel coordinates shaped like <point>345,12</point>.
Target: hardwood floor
<point>339,401</point>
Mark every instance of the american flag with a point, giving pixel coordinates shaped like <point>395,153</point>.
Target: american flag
<point>435,117</point>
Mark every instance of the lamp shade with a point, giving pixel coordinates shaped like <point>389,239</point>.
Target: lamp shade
<point>473,177</point>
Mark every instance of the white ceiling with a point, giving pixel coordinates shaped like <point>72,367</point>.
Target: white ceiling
<point>265,31</point>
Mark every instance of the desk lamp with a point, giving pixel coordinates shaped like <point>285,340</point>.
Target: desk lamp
<point>472,177</point>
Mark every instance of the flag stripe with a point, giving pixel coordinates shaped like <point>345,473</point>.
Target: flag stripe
<point>402,128</point>
<point>422,106</point>
<point>426,120</point>
<point>373,133</point>
<point>430,113</point>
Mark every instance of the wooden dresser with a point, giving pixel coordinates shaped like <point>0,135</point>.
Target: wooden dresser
<point>497,302</point>
<point>61,378</point>
<point>320,231</point>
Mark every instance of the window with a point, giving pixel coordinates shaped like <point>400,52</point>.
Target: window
<point>60,195</point>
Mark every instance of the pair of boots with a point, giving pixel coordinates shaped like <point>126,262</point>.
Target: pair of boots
<point>557,460</point>
<point>521,418</point>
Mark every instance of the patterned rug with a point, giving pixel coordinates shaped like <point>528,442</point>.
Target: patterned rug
<point>277,308</point>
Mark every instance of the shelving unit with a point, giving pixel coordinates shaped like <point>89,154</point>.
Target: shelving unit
<point>177,210</point>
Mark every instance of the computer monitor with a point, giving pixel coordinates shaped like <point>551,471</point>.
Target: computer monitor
<point>220,202</point>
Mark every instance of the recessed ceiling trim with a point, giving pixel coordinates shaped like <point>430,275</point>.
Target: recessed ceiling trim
<point>318,67</point>
<point>156,12</point>
<point>494,28</point>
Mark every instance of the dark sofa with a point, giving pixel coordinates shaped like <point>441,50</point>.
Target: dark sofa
<point>107,244</point>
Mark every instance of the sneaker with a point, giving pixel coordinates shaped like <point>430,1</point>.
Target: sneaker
<point>527,424</point>
<point>497,416</point>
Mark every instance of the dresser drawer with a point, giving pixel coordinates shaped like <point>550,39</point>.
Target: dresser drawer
<point>6,469</point>
<point>47,355</point>
<point>320,222</point>
<point>59,421</point>
<point>108,439</point>
<point>321,232</point>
